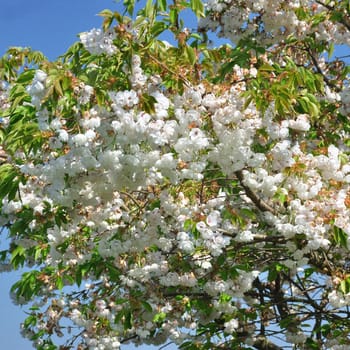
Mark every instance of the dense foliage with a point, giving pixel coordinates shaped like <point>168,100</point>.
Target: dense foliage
<point>178,190</point>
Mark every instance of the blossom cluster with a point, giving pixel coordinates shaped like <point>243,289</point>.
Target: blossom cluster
<point>173,211</point>
<point>273,21</point>
<point>97,41</point>
<point>125,148</point>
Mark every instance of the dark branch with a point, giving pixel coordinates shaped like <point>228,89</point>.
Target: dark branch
<point>254,198</point>
<point>320,71</point>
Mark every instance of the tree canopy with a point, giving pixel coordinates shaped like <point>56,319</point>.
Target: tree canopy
<point>160,184</point>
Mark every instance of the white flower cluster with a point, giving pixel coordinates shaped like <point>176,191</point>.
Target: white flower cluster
<point>37,88</point>
<point>84,93</point>
<point>157,196</point>
<point>98,42</point>
<point>345,100</point>
<point>213,239</point>
<point>231,326</point>
<point>103,343</point>
<point>4,94</point>
<point>270,21</point>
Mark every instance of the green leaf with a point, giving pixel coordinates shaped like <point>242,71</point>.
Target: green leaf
<point>266,68</point>
<point>325,329</point>
<point>59,282</point>
<point>18,256</point>
<point>197,7</point>
<point>286,322</point>
<point>3,255</point>
<point>106,13</point>
<point>159,317</point>
<point>189,224</point>
<point>154,204</point>
<point>301,13</point>
<point>128,320</point>
<point>309,271</point>
<point>121,301</point>
<point>191,55</point>
<point>162,4</point>
<point>113,272</point>
<point>148,103</point>
<point>318,18</point>
<point>146,306</point>
<point>37,253</point>
<point>36,57</point>
<point>274,270</point>
<point>108,16</point>
<point>57,87</point>
<point>245,212</point>
<point>17,95</point>
<point>30,321</point>
<point>129,5</point>
<point>27,286</point>
<point>149,9</point>
<point>26,77</point>
<point>107,23</point>
<point>196,36</point>
<point>158,28</point>
<point>312,344</point>
<point>9,181</point>
<point>79,274</point>
<point>173,16</point>
<point>345,286</point>
<point>340,236</point>
<point>331,49</point>
<point>309,105</point>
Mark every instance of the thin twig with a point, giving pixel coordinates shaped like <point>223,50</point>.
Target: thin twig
<point>320,71</point>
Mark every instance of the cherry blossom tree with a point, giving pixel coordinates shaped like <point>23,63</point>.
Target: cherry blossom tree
<point>177,191</point>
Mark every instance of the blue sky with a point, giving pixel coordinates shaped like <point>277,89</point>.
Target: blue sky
<point>50,26</point>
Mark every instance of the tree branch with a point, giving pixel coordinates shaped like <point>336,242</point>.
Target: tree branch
<point>262,343</point>
<point>343,20</point>
<point>261,205</point>
<point>320,71</point>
